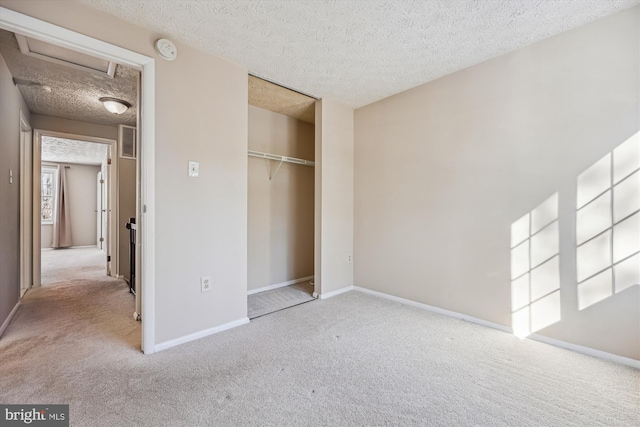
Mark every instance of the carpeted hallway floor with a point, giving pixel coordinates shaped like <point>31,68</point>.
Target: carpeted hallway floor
<point>77,309</point>
<point>352,360</point>
<point>60,266</point>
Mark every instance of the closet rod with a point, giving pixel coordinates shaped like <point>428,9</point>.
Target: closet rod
<point>279,158</point>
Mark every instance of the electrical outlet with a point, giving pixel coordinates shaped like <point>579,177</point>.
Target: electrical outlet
<point>205,283</point>
<point>349,259</point>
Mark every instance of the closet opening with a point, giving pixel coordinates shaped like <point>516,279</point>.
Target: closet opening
<point>281,151</point>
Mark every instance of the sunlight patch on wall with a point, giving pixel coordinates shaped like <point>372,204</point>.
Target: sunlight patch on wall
<point>608,224</point>
<point>535,269</point>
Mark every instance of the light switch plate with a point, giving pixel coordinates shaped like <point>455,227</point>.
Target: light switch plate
<point>194,169</point>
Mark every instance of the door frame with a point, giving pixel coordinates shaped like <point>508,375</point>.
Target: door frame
<point>112,198</point>
<point>23,24</point>
<point>26,205</point>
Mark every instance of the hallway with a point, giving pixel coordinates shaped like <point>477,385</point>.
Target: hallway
<point>78,312</point>
<point>67,266</point>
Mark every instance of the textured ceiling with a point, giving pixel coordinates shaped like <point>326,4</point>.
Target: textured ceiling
<point>358,51</point>
<point>281,100</point>
<point>72,151</point>
<point>74,93</point>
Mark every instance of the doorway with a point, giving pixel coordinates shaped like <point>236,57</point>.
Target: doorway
<point>281,187</point>
<point>41,30</point>
<point>78,158</point>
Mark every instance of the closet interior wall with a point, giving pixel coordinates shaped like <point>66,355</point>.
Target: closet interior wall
<point>280,205</point>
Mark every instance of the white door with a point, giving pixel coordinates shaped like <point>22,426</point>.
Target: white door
<point>100,213</point>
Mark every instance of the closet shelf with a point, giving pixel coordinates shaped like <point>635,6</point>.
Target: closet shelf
<point>279,158</point>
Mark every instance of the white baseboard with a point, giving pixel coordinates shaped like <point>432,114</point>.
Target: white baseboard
<point>280,285</point>
<point>558,343</point>
<point>433,309</point>
<point>71,247</point>
<point>588,351</point>
<point>201,334</point>
<point>325,295</point>
<point>9,318</point>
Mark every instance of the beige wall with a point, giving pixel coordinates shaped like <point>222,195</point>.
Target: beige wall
<point>46,235</point>
<point>443,170</point>
<point>82,189</point>
<point>126,210</point>
<point>280,215</point>
<point>334,196</point>
<point>201,223</point>
<point>75,127</point>
<point>11,103</point>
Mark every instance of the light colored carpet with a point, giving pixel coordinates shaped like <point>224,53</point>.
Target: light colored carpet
<point>278,299</point>
<point>78,308</point>
<point>60,265</point>
<point>352,360</point>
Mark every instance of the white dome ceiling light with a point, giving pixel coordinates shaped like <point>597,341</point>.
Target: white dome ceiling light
<point>114,105</point>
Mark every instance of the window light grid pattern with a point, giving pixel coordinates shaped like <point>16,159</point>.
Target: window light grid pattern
<point>608,225</point>
<point>535,269</point>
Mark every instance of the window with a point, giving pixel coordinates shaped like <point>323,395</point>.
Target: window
<point>47,194</point>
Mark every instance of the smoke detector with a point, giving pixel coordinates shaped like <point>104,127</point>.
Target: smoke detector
<point>166,49</point>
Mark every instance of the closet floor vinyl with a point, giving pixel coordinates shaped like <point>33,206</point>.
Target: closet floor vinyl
<point>274,300</point>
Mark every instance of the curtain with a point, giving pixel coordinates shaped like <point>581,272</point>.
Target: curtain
<point>61,220</point>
